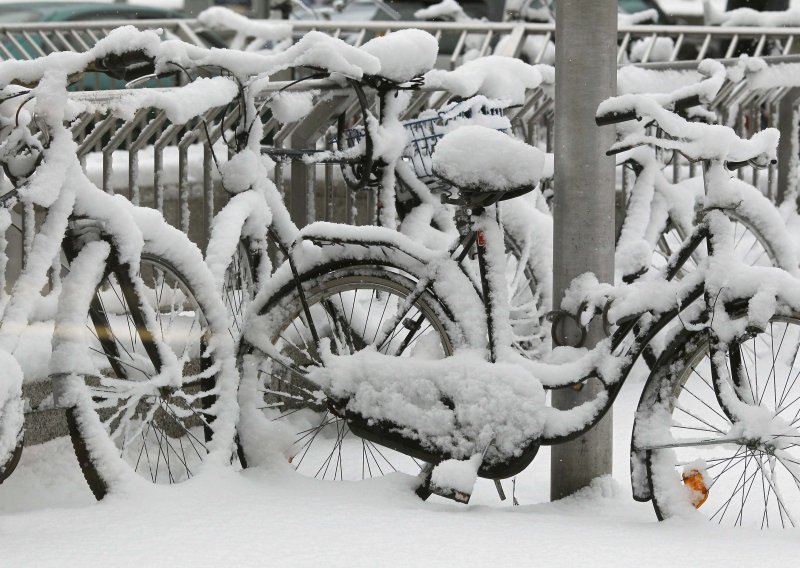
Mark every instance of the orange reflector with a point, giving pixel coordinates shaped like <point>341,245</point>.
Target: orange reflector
<point>693,479</point>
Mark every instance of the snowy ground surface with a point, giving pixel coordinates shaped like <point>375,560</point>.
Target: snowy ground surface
<point>265,517</point>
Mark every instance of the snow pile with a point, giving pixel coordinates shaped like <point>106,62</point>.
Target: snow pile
<point>288,107</point>
<point>315,49</point>
<point>654,49</point>
<point>219,18</point>
<point>180,104</point>
<point>404,54</point>
<point>482,159</point>
<point>456,475</point>
<point>494,76</point>
<point>456,406</point>
<point>638,18</point>
<point>444,10</point>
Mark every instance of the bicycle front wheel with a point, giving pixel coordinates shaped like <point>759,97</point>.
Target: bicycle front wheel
<point>749,245</point>
<point>734,471</point>
<point>349,306</point>
<point>162,431</point>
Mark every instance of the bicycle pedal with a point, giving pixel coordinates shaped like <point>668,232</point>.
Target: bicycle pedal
<point>450,493</point>
<point>455,479</point>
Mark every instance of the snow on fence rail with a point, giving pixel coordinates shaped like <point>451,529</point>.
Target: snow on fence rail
<point>171,167</point>
<point>637,43</point>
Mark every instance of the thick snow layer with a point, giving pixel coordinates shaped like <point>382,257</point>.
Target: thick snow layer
<point>484,159</point>
<point>459,405</point>
<point>446,9</point>
<point>495,76</point>
<point>218,17</point>
<point>311,523</point>
<point>404,54</point>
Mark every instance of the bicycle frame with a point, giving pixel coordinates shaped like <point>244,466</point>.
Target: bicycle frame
<point>631,327</point>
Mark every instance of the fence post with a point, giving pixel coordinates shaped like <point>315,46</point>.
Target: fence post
<point>787,147</point>
<point>583,213</point>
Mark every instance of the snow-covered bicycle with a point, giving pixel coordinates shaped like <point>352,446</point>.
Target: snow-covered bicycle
<point>319,358</point>
<point>141,360</point>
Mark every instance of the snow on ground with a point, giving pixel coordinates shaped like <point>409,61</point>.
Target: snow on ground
<point>264,517</point>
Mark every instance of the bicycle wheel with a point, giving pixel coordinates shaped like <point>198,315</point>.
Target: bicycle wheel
<point>238,289</point>
<point>11,417</point>
<point>349,305</point>
<point>749,245</point>
<point>161,430</point>
<point>734,472</point>
<point>526,301</point>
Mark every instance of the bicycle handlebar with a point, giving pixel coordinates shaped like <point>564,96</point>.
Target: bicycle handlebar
<point>618,117</point>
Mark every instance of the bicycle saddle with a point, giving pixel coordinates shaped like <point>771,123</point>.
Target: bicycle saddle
<point>486,164</point>
<point>404,54</point>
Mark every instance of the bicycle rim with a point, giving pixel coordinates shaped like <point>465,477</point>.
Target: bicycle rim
<point>348,307</point>
<point>750,479</point>
<point>161,431</point>
<point>749,245</point>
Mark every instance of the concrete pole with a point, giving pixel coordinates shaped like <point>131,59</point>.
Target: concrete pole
<point>583,213</point>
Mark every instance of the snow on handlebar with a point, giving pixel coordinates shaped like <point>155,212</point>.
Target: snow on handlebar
<point>696,140</point>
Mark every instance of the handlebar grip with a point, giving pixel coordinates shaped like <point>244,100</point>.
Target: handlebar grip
<point>733,166</point>
<point>621,149</point>
<point>688,102</point>
<point>125,66</point>
<point>616,117</point>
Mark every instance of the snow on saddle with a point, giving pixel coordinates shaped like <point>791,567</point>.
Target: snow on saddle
<point>483,162</point>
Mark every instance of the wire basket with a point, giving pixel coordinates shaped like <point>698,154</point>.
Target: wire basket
<point>424,133</point>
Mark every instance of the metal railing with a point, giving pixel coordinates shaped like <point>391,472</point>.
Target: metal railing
<point>641,43</point>
<point>170,166</point>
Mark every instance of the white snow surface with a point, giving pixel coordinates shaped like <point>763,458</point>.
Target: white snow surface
<point>47,511</point>
<point>495,76</point>
<point>482,158</point>
<point>404,54</point>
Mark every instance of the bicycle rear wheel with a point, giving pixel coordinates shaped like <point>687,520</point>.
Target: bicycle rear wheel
<point>349,306</point>
<point>161,430</point>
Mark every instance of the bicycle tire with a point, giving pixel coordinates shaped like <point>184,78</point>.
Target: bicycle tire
<point>11,464</point>
<point>527,302</point>
<point>238,288</point>
<point>12,417</point>
<point>328,453</point>
<point>749,481</point>
<point>750,245</point>
<point>170,423</point>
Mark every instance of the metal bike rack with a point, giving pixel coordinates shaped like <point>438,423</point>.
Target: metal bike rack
<point>104,140</point>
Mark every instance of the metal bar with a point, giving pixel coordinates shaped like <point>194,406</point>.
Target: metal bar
<point>29,38</point>
<point>787,158</point>
<point>513,42</point>
<point>458,49</point>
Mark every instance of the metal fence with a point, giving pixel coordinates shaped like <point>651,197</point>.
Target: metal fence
<point>638,44</point>
<point>171,167</point>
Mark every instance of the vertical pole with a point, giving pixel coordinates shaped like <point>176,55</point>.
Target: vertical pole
<point>583,215</point>
<point>787,146</point>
